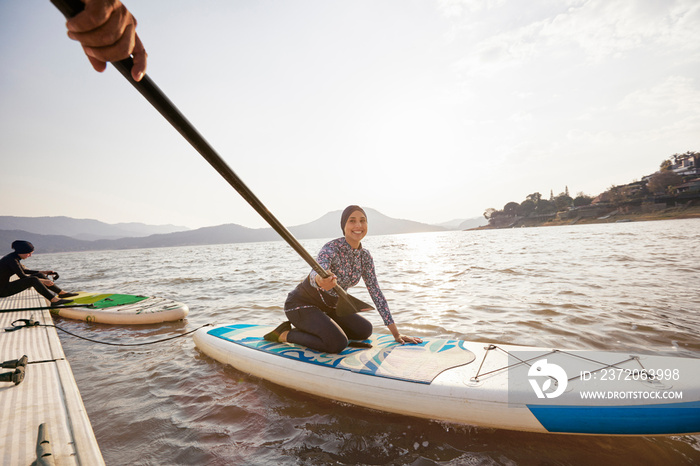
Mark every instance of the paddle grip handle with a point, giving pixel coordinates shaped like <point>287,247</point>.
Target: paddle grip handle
<point>69,8</point>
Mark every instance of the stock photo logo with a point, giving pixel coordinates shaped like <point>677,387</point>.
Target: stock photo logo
<point>552,377</point>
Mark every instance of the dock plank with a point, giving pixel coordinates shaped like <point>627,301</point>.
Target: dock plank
<point>48,394</point>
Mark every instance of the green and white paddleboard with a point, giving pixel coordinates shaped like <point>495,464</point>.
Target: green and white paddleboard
<point>113,308</point>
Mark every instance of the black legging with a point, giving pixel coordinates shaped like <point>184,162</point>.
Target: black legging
<point>318,327</point>
<point>326,332</point>
<point>53,287</point>
<point>22,284</point>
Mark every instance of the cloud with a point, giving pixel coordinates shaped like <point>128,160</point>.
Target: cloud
<point>670,108</point>
<point>519,32</point>
<point>604,29</point>
<point>457,8</point>
<point>676,95</point>
<point>661,113</point>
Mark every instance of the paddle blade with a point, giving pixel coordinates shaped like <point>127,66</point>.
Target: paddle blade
<point>350,305</point>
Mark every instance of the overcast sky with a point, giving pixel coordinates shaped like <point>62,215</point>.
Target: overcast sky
<point>426,110</point>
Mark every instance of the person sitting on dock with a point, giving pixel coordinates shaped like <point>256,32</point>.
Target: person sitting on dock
<point>38,279</point>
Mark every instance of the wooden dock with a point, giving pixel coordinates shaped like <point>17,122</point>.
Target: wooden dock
<point>43,416</point>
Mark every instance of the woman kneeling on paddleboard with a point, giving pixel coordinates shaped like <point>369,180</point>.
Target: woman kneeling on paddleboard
<point>311,307</point>
<point>10,265</point>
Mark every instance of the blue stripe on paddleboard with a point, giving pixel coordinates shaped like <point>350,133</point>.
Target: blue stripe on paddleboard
<point>356,359</point>
<point>306,355</point>
<point>658,419</point>
<point>217,332</point>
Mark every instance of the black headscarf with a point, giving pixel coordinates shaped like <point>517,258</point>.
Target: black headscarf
<point>22,247</point>
<point>346,215</point>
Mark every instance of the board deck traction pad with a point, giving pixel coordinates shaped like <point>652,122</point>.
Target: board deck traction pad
<point>106,300</point>
<point>419,363</point>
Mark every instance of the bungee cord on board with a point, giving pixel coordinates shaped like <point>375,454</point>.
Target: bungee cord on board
<point>603,365</point>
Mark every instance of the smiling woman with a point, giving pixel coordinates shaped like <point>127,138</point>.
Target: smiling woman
<point>312,306</point>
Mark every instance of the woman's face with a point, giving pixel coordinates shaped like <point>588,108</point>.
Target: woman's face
<point>355,228</point>
<point>24,256</point>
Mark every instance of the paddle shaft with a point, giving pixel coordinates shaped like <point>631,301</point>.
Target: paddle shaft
<point>170,112</point>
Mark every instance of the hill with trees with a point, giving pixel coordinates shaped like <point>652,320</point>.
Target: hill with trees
<point>672,191</point>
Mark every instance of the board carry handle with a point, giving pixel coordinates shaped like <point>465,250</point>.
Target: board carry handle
<point>147,88</point>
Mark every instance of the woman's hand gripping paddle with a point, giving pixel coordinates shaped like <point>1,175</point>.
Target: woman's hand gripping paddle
<point>346,304</point>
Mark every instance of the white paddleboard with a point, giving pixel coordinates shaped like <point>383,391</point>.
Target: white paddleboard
<point>499,386</point>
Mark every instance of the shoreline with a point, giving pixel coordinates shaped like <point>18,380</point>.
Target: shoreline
<point>637,215</point>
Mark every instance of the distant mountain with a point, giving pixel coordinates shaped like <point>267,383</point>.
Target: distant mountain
<point>473,223</point>
<point>84,229</point>
<point>43,243</point>
<point>327,226</point>
<point>464,224</point>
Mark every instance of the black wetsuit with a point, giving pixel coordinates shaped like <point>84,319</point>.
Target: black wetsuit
<point>10,265</point>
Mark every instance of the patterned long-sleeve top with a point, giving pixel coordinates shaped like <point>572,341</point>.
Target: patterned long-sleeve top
<point>349,265</point>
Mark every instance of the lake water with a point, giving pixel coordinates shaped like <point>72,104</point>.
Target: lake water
<point>620,286</point>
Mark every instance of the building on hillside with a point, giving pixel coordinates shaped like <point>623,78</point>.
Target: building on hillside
<point>689,166</point>
<point>689,187</point>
